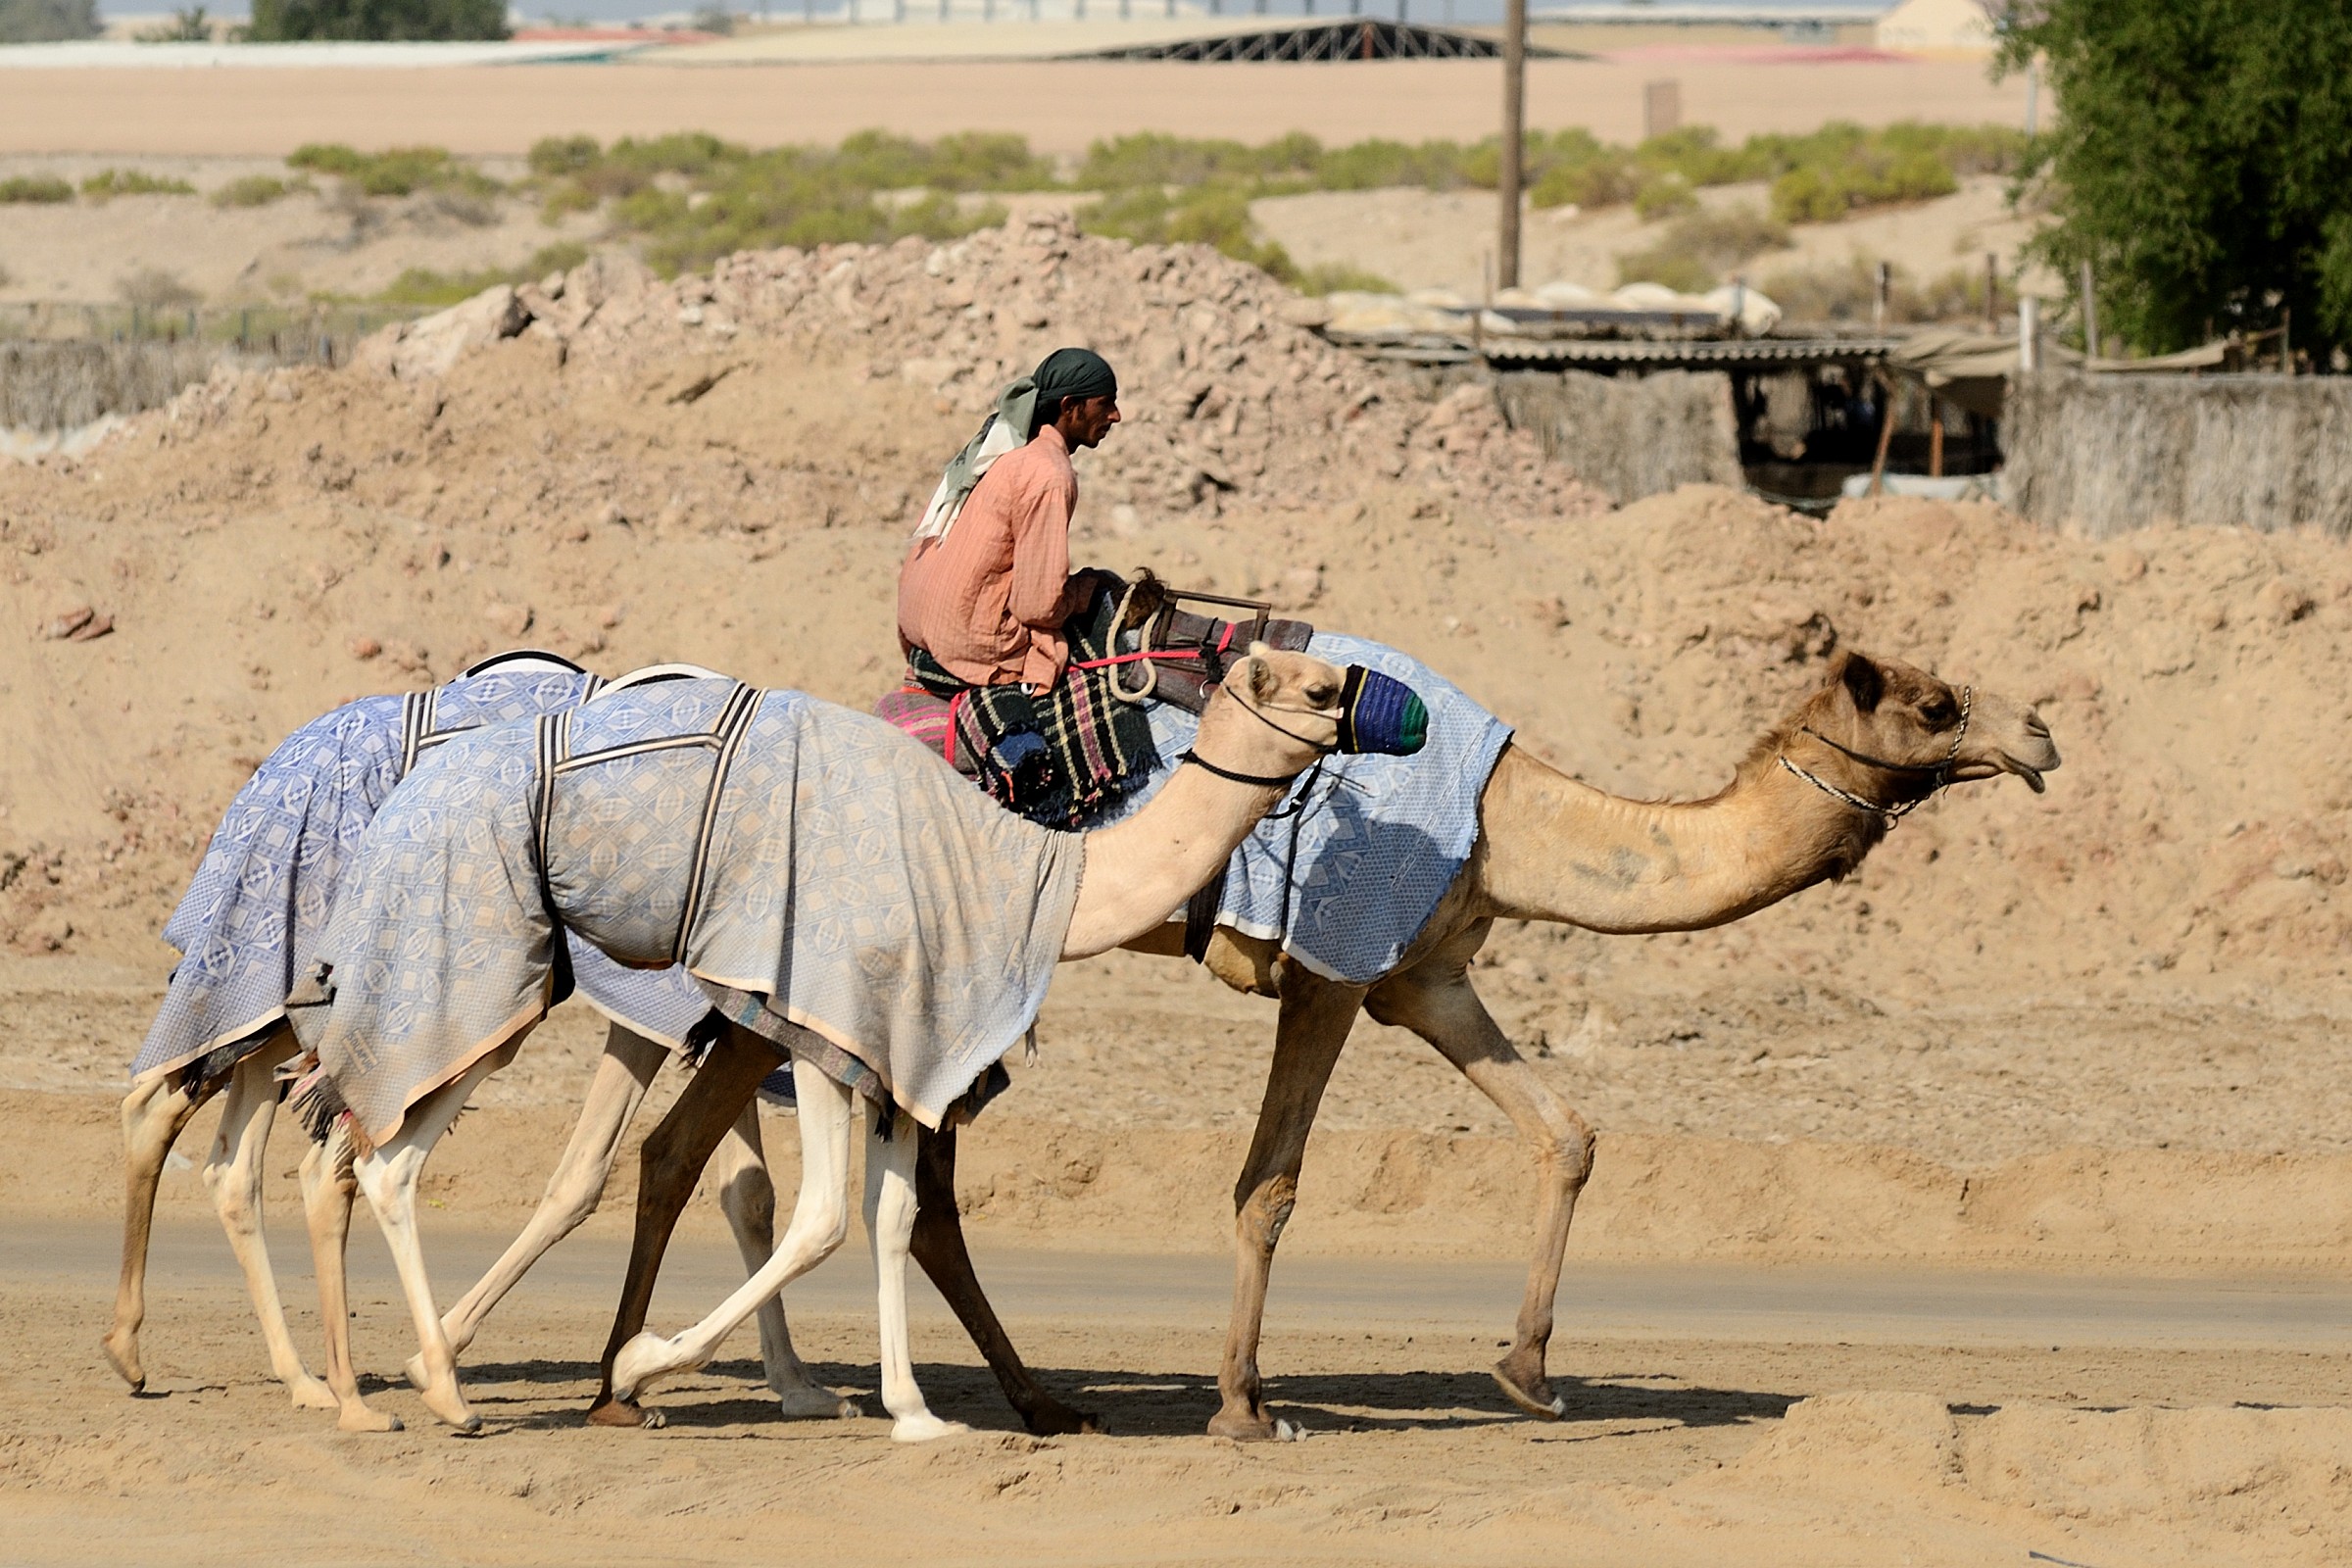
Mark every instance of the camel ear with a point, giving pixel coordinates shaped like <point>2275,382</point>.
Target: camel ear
<point>1863,680</point>
<point>1263,682</point>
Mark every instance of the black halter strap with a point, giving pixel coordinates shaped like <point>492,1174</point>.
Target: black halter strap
<point>1262,781</point>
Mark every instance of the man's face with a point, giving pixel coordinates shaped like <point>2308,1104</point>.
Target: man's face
<point>1085,422</point>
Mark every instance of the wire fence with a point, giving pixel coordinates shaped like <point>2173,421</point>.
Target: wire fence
<point>300,334</point>
<point>65,366</point>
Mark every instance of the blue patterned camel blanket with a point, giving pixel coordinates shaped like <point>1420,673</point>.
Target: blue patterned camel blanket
<point>1348,881</point>
<point>260,897</point>
<point>782,848</point>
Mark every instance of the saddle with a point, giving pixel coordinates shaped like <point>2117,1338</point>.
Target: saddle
<point>1180,654</point>
<point>1162,653</point>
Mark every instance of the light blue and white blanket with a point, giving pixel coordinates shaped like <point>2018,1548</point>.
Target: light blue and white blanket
<point>1347,882</point>
<point>260,898</point>
<point>777,846</point>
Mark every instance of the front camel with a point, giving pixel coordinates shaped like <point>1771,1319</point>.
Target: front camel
<point>1813,796</point>
<point>845,900</point>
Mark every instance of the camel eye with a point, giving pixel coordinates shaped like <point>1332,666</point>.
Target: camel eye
<point>1938,712</point>
<point>1322,694</point>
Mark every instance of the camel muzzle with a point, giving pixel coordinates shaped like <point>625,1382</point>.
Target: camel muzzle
<point>1380,713</point>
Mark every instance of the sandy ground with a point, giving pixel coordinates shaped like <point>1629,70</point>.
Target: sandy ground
<point>1060,106</point>
<point>2095,1034</point>
<point>1716,1438</point>
<point>1445,239</point>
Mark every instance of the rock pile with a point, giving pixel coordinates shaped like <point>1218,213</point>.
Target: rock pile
<point>1226,400</point>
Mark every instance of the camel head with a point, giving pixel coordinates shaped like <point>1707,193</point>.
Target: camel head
<point>1276,712</point>
<point>1895,734</point>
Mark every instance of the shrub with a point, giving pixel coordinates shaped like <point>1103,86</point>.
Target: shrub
<point>112,182</point>
<point>185,27</point>
<point>298,20</point>
<point>256,190</point>
<point>1332,277</point>
<point>1664,197</point>
<point>36,188</point>
<point>155,289</point>
<point>396,171</point>
<point>1697,249</point>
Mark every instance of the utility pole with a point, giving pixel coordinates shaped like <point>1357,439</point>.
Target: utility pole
<point>1514,139</point>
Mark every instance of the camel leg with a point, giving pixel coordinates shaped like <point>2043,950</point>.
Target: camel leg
<point>622,1075</point>
<point>1435,1001</point>
<point>890,1212</point>
<point>327,1186</point>
<point>232,1171</point>
<point>748,1199</point>
<point>820,1220</point>
<point>155,1113</point>
<point>388,1174</point>
<point>668,1165</point>
<point>939,1246</point>
<point>1316,1015</point>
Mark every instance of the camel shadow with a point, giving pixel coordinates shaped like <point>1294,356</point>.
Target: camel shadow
<point>1131,1402</point>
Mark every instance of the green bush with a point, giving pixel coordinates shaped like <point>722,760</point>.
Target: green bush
<point>36,188</point>
<point>1667,196</point>
<point>1216,215</point>
<point>1332,277</point>
<point>396,171</point>
<point>1699,248</point>
<point>393,21</point>
<point>256,190</point>
<point>110,182</point>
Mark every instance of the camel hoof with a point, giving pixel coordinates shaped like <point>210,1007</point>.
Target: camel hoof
<point>364,1418</point>
<point>1245,1426</point>
<point>1538,1401</point>
<point>810,1403</point>
<point>641,1361</point>
<point>624,1414</point>
<point>124,1357</point>
<point>1054,1419</point>
<point>924,1428</point>
<point>308,1394</point>
<point>449,1405</point>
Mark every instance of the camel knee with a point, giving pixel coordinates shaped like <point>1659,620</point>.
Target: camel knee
<point>1564,1147</point>
<point>749,1200</point>
<point>1260,1215</point>
<point>235,1192</point>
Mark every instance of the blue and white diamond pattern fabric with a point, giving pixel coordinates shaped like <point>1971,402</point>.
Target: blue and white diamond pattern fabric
<point>260,897</point>
<point>1347,882</point>
<point>864,891</point>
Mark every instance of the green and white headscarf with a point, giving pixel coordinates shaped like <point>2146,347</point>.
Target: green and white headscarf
<point>1021,410</point>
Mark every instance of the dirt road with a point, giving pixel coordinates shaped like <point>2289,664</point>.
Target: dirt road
<point>1686,1385</point>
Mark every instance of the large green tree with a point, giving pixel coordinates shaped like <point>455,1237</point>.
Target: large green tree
<point>47,21</point>
<point>2202,161</point>
<point>293,21</point>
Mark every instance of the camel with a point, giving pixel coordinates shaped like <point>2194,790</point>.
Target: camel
<point>162,1102</point>
<point>1134,876</point>
<point>1812,798</point>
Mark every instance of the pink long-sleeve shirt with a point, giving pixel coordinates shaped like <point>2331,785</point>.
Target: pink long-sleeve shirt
<point>989,600</point>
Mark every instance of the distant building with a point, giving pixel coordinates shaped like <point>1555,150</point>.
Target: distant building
<point>1954,28</point>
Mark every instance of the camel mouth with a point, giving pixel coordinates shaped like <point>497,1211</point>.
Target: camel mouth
<point>1999,762</point>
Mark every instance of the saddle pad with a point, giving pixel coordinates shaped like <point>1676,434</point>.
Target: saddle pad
<point>1347,882</point>
<point>260,897</point>
<point>830,867</point>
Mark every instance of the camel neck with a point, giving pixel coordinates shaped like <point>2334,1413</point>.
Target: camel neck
<point>1139,872</point>
<point>1558,849</point>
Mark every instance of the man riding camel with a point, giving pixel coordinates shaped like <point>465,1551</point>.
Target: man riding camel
<point>987,603</point>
